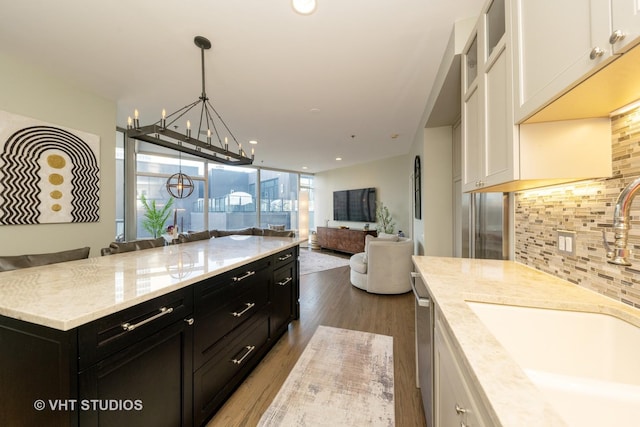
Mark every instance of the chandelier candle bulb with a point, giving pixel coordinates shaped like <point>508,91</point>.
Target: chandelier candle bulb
<point>159,134</point>
<point>129,122</point>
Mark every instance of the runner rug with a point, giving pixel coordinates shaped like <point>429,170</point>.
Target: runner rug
<point>314,261</point>
<point>343,378</point>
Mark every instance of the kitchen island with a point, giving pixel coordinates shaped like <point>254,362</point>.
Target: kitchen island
<point>154,337</point>
<point>502,394</point>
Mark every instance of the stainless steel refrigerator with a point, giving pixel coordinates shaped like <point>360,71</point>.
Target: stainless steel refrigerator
<point>485,225</point>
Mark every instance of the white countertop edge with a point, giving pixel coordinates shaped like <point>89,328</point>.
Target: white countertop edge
<point>67,323</point>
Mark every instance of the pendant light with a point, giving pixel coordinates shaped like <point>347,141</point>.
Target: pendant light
<point>180,185</point>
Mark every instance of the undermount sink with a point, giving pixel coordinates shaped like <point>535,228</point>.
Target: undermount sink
<point>587,365</point>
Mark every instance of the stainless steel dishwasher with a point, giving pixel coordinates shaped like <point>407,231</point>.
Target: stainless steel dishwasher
<point>424,345</point>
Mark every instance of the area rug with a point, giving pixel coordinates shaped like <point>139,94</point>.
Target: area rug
<point>314,261</point>
<point>343,378</point>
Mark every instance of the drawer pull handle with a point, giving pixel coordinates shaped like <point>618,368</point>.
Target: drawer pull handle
<point>284,258</point>
<point>244,276</point>
<point>163,312</point>
<point>285,281</point>
<point>247,351</point>
<point>249,305</point>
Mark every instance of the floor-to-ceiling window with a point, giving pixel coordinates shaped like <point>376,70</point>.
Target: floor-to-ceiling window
<point>224,197</point>
<point>232,197</point>
<point>306,184</point>
<point>119,182</point>
<point>278,199</point>
<point>154,166</point>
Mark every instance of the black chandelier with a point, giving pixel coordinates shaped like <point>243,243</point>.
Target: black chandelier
<point>160,133</point>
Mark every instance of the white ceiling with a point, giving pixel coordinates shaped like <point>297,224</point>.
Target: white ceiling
<point>338,83</point>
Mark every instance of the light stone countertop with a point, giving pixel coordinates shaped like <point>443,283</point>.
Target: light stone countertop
<point>505,390</point>
<point>66,295</point>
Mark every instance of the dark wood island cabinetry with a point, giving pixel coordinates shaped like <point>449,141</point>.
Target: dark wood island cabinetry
<point>171,360</point>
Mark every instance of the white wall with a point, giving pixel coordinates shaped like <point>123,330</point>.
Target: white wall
<point>434,231</point>
<point>391,177</point>
<point>33,93</point>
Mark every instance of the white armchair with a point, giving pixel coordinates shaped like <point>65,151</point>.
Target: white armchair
<point>384,267</point>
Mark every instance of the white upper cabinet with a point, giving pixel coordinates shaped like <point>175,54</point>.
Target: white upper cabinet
<point>489,136</point>
<point>558,44</point>
<point>471,116</point>
<point>625,27</point>
<point>497,153</point>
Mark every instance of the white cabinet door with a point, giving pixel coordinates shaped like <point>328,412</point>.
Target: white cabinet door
<point>499,163</point>
<point>625,18</point>
<point>489,135</point>
<point>455,404</point>
<point>471,115</point>
<point>471,142</point>
<point>556,45</point>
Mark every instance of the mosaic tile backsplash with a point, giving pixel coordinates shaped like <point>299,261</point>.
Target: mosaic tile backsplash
<point>587,209</point>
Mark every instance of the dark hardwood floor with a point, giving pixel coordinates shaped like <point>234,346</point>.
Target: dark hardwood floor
<point>327,298</point>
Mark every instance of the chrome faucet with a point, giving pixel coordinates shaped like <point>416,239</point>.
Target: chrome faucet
<point>619,253</point>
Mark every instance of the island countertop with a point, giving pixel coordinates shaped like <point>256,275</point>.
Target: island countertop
<point>66,295</point>
<point>505,390</point>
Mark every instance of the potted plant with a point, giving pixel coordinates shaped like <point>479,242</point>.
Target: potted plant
<point>385,222</point>
<point>154,217</point>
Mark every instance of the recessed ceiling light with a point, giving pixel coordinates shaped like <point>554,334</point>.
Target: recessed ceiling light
<point>304,7</point>
<point>338,158</point>
<point>304,168</point>
<point>253,141</point>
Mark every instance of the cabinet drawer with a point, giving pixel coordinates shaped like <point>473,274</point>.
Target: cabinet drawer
<point>217,291</point>
<point>234,358</point>
<point>224,303</point>
<point>285,257</point>
<point>282,299</point>
<point>211,326</point>
<point>107,335</point>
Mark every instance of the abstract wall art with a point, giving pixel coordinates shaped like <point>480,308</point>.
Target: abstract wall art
<point>48,174</point>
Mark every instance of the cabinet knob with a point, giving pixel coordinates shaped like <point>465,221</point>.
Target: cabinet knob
<point>460,410</point>
<point>596,52</point>
<point>190,321</point>
<point>616,36</point>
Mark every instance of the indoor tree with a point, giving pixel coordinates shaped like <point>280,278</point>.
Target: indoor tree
<point>385,222</point>
<point>155,217</point>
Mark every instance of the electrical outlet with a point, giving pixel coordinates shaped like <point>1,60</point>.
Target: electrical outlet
<point>566,242</point>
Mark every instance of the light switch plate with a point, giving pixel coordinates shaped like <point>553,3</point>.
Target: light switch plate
<point>566,242</point>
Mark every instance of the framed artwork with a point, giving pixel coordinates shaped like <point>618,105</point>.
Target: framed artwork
<point>48,174</point>
<point>417,188</point>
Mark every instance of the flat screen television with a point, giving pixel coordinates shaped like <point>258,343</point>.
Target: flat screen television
<point>355,205</point>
